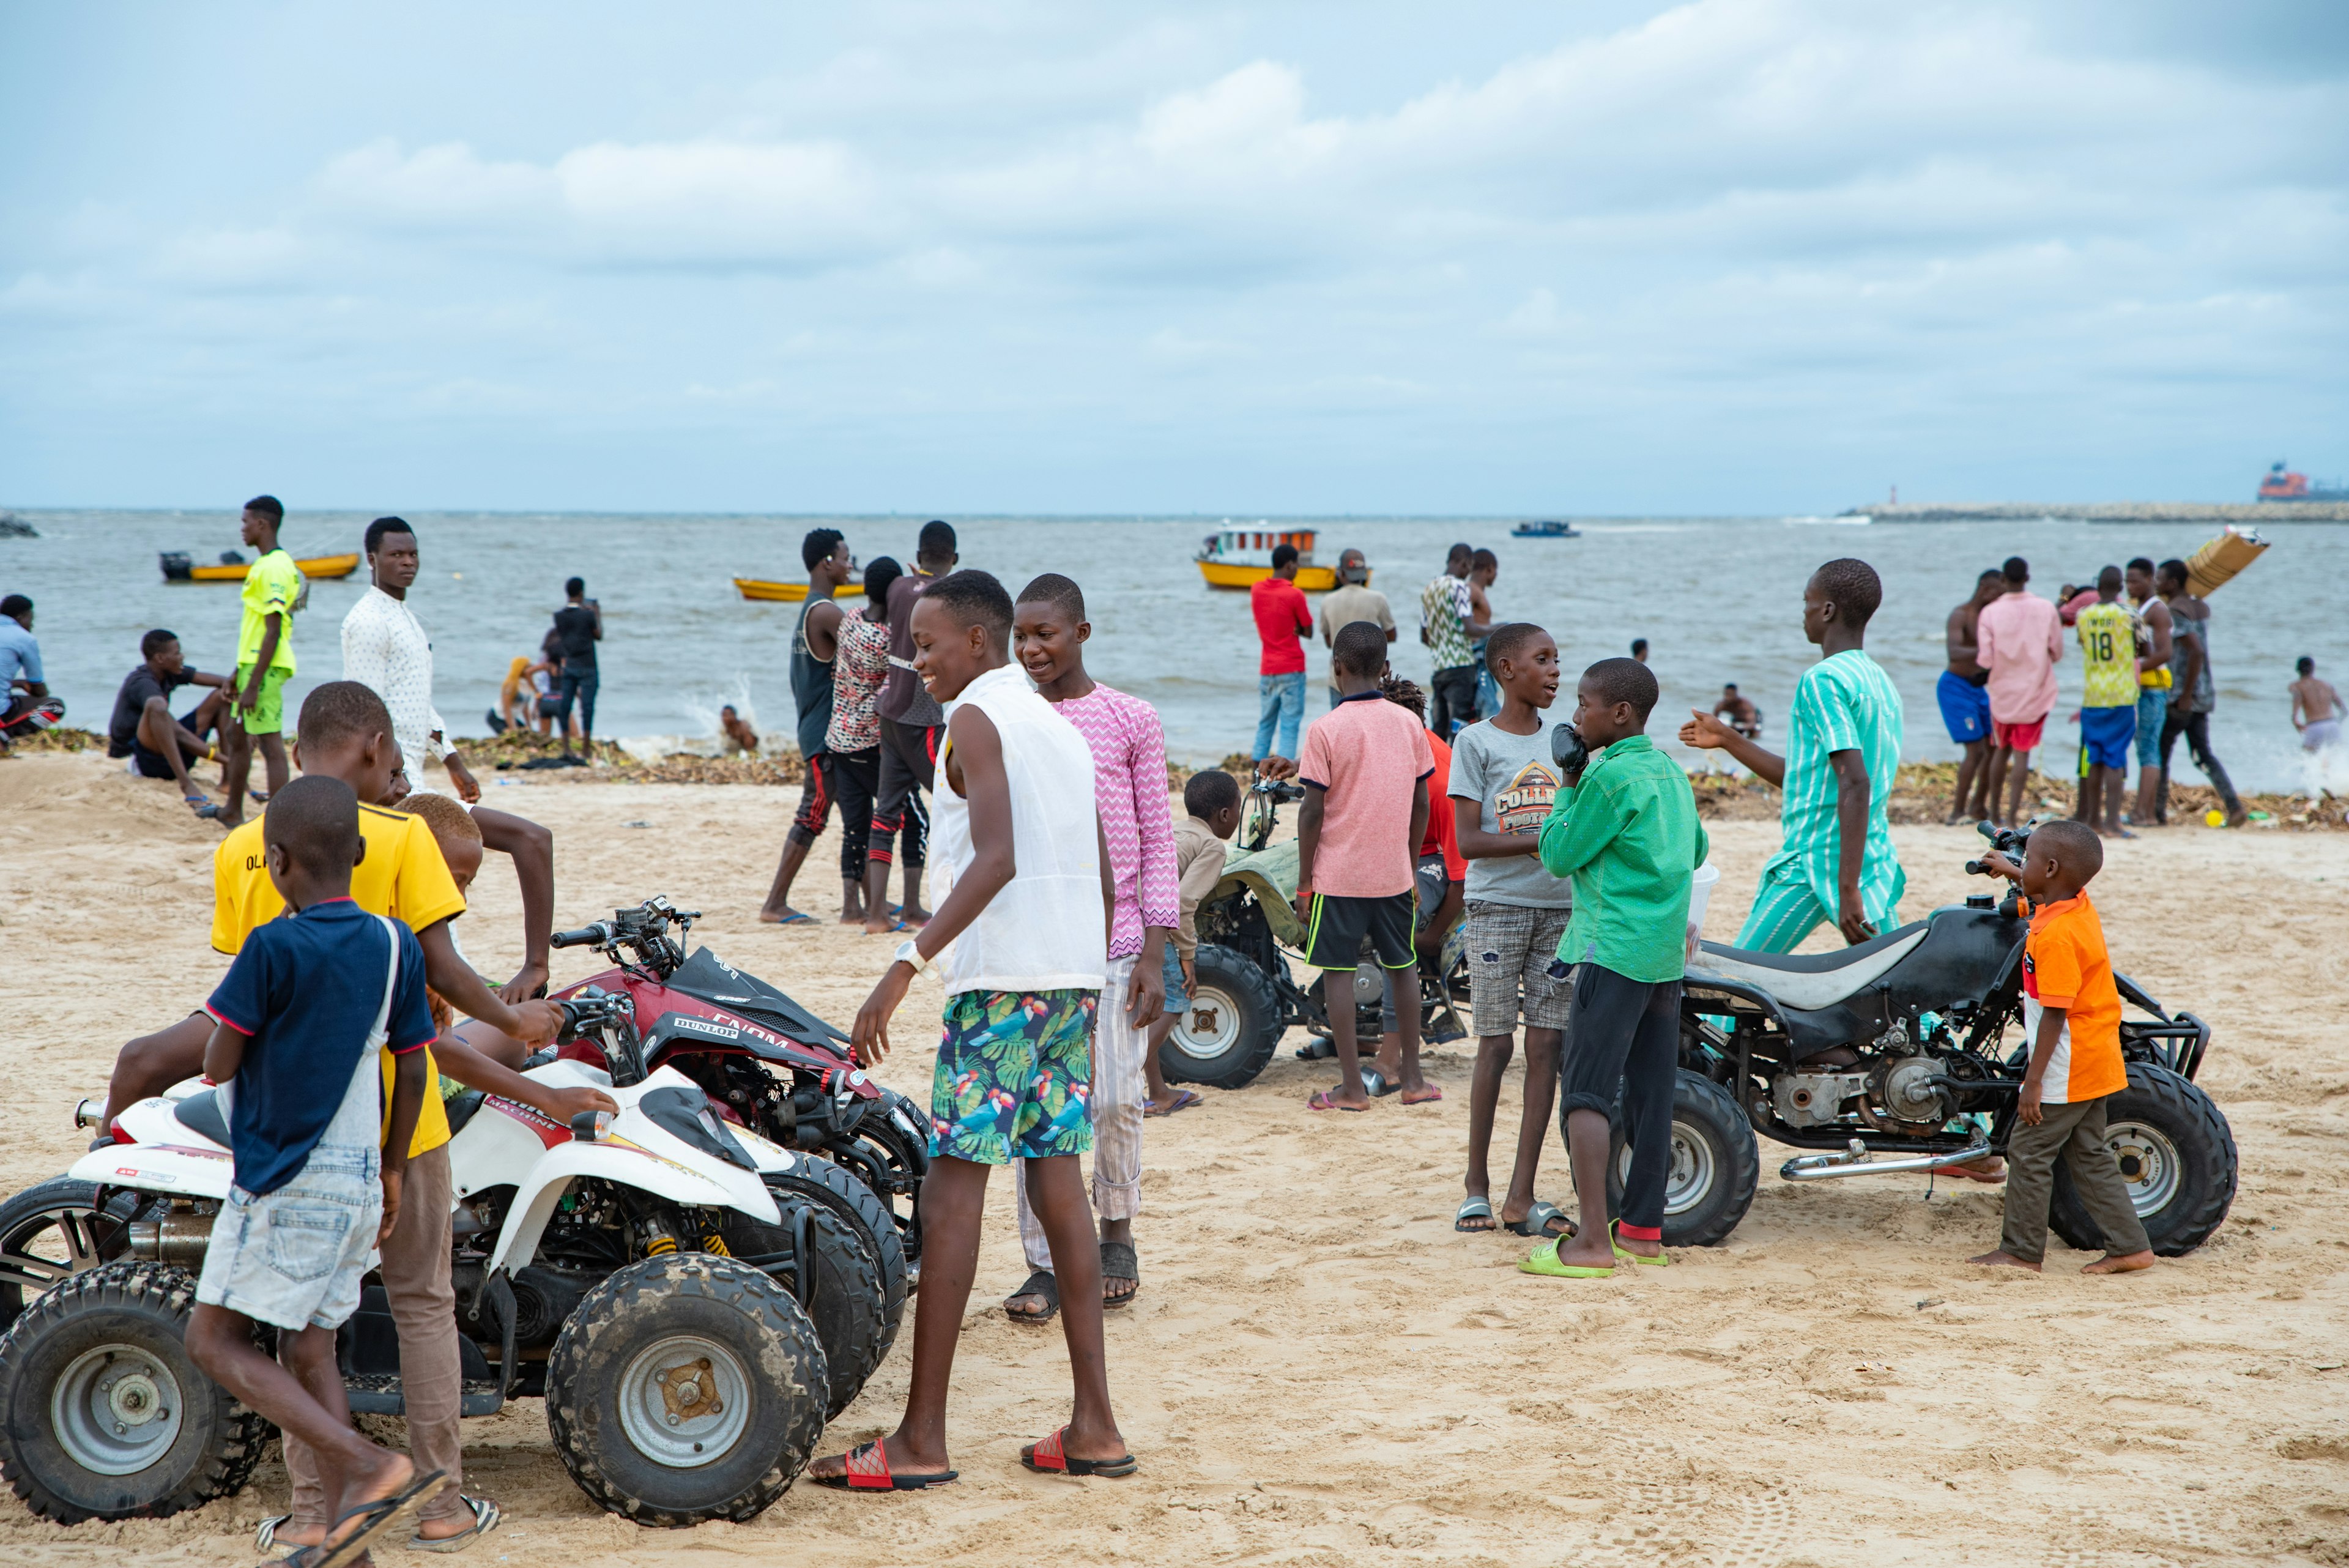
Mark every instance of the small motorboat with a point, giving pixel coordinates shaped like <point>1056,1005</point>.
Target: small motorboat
<point>1549,530</point>
<point>760,588</point>
<point>1242,557</point>
<point>233,567</point>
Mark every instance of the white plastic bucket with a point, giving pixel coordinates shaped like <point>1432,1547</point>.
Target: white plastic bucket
<point>1700,895</point>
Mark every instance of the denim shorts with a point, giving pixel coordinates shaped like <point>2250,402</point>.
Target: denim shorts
<point>294,1257</point>
<point>1176,1000</point>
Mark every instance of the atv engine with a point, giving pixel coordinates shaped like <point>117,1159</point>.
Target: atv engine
<point>1816,1099</point>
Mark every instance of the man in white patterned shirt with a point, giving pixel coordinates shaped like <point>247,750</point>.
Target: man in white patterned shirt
<point>385,648</point>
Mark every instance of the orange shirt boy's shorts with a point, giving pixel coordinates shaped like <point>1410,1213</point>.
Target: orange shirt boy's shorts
<point>2064,965</point>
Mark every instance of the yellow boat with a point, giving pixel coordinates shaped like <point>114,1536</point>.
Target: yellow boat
<point>177,568</point>
<point>789,593</point>
<point>1242,557</point>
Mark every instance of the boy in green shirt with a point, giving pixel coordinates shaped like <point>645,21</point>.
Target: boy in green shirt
<point>264,661</point>
<point>1625,830</point>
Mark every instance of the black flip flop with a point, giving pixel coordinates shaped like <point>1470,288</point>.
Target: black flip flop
<point>1119,1262</point>
<point>1040,1283</point>
<point>378,1517</point>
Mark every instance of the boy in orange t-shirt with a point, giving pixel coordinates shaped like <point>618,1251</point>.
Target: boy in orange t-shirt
<point>2071,1012</point>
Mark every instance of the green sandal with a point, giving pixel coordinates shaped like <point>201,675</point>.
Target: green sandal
<point>1542,1259</point>
<point>1658,1262</point>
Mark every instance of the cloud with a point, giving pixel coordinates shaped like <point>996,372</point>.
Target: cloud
<point>1774,218</point>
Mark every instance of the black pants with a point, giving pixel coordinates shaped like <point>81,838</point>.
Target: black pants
<point>1451,699</point>
<point>909,765</point>
<point>1628,1032</point>
<point>580,688</point>
<point>2196,728</point>
<point>854,776</point>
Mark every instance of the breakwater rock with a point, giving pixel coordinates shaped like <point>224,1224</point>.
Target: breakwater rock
<point>2220,512</point>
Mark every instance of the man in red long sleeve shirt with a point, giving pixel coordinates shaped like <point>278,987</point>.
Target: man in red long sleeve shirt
<point>1282,623</point>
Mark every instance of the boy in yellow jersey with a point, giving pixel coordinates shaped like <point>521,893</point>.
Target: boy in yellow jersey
<point>264,661</point>
<point>344,733</point>
<point>2107,632</point>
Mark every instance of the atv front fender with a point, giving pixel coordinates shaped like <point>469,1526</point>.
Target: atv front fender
<point>1271,874</point>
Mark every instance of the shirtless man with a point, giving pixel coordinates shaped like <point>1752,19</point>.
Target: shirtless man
<point>2315,709</point>
<point>1743,715</point>
<point>2156,645</point>
<point>1965,705</point>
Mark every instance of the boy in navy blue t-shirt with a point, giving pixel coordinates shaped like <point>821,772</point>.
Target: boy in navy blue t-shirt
<point>311,999</point>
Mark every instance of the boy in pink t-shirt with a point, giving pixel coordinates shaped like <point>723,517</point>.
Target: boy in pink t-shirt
<point>1365,769</point>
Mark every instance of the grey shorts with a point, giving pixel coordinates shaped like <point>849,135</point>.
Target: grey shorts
<point>1510,947</point>
<point>294,1257</point>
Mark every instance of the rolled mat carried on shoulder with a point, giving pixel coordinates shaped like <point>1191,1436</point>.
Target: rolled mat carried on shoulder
<point>2215,564</point>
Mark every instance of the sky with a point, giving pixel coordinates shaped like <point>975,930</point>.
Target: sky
<point>1604,257</point>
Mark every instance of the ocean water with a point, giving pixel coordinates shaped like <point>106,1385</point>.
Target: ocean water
<point>1719,599</point>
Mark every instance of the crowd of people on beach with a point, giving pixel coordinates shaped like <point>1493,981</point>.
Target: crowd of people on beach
<point>955,729</point>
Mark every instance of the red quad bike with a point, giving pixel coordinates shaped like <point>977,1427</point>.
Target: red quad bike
<point>765,1060</point>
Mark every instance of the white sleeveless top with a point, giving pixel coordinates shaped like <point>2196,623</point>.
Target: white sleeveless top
<point>1045,930</point>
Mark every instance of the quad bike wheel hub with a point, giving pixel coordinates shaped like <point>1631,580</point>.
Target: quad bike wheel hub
<point>685,1402</point>
<point>116,1410</point>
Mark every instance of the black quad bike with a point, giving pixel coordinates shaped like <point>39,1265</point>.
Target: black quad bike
<point>1245,1000</point>
<point>1899,1047</point>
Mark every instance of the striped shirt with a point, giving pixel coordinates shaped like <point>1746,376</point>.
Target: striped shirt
<point>1844,703</point>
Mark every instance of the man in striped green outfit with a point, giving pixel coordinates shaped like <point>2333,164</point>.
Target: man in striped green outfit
<point>1843,748</point>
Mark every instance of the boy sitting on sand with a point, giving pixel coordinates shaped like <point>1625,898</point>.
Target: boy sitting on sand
<point>299,1025</point>
<point>2072,1012</point>
<point>1365,769</point>
<point>1625,829</point>
<point>1211,815</point>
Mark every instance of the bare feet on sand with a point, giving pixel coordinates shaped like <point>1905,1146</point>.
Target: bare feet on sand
<point>2118,1264</point>
<point>2004,1260</point>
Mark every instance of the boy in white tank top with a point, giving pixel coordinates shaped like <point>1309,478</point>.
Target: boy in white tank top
<point>1022,940</point>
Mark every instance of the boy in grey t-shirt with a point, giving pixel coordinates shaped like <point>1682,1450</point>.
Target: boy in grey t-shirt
<point>1503,780</point>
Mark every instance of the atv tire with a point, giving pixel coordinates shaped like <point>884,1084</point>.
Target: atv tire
<point>892,1161</point>
<point>822,1182</point>
<point>1231,1028</point>
<point>686,1388</point>
<point>52,1232</point>
<point>1715,1165</point>
<point>102,1413</point>
<point>843,1297</point>
<point>2177,1156</point>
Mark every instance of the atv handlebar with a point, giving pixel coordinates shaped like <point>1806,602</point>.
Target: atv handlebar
<point>593,935</point>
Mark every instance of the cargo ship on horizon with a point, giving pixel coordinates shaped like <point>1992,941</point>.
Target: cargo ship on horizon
<point>2284,484</point>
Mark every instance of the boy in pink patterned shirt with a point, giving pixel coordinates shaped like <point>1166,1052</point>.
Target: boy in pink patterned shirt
<point>1047,632</point>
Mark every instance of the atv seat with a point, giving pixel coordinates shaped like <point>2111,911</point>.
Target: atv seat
<point>201,1114</point>
<point>1808,982</point>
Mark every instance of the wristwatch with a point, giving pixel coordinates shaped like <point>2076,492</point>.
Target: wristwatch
<point>909,954</point>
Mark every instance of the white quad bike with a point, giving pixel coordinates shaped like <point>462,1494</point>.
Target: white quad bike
<point>665,1279</point>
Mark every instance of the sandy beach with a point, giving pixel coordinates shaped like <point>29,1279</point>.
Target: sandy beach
<point>1320,1371</point>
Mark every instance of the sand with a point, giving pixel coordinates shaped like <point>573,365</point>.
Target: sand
<point>1318,1370</point>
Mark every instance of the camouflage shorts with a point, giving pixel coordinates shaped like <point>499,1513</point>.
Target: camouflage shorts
<point>1014,1077</point>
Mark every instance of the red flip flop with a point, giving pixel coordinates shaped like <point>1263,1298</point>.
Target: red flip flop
<point>1051,1458</point>
<point>868,1470</point>
<point>1322,1102</point>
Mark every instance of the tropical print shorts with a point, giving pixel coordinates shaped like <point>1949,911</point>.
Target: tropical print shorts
<point>1015,1076</point>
